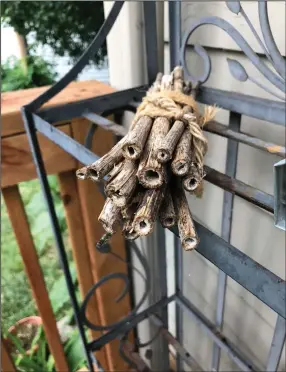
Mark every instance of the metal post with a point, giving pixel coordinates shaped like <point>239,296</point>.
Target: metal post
<point>231,163</point>
<point>175,45</point>
<point>277,345</point>
<point>175,32</point>
<point>156,242</point>
<point>40,168</point>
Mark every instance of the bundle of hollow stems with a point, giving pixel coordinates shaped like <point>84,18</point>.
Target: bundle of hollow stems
<point>147,173</point>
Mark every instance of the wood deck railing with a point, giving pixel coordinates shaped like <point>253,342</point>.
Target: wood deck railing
<point>82,203</point>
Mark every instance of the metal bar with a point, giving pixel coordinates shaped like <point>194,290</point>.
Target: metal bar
<point>102,103</point>
<point>185,355</point>
<point>158,283</point>
<point>211,127</point>
<point>179,288</point>
<point>175,45</point>
<point>175,32</point>
<point>150,21</point>
<point>276,345</point>
<point>265,285</point>
<point>216,335</point>
<point>259,108</point>
<point>156,257</point>
<point>228,132</point>
<point>38,160</point>
<point>126,327</point>
<point>83,60</point>
<point>258,280</point>
<point>239,188</point>
<point>107,124</point>
<point>231,163</point>
<point>72,147</point>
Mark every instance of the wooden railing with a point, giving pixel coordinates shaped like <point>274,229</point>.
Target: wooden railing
<point>82,203</point>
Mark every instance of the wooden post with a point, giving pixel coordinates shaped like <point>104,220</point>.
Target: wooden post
<point>92,203</point>
<point>7,364</point>
<point>24,238</point>
<point>70,198</point>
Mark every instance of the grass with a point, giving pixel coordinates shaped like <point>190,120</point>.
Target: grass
<point>16,295</point>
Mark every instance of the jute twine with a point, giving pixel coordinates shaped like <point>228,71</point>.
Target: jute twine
<point>175,105</point>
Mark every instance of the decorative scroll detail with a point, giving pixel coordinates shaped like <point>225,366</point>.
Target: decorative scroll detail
<point>276,78</point>
<point>125,279</point>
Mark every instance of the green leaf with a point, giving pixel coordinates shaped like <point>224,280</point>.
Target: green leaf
<point>17,343</point>
<point>50,363</point>
<point>36,205</point>
<point>42,222</point>
<point>74,352</point>
<point>59,294</point>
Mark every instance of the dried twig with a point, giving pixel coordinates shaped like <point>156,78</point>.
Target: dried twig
<point>182,156</point>
<point>167,215</point>
<point>109,216</point>
<point>187,231</point>
<point>167,146</point>
<point>121,188</point>
<point>104,165</point>
<point>114,172</point>
<point>192,180</point>
<point>148,210</point>
<point>135,141</point>
<point>151,173</point>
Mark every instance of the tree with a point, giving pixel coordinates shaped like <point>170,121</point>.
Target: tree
<point>67,27</point>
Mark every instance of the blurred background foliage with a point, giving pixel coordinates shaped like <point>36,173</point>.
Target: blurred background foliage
<point>66,26</point>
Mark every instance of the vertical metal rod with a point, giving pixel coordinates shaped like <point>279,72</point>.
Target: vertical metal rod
<point>150,21</point>
<point>276,345</point>
<point>175,46</point>
<point>156,242</point>
<point>40,168</point>
<point>231,165</point>
<point>175,32</point>
<point>179,288</point>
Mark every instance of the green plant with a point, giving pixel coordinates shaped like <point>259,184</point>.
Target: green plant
<point>14,76</point>
<point>16,297</point>
<point>66,26</point>
<point>39,358</point>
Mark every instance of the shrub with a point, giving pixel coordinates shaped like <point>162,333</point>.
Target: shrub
<point>14,75</point>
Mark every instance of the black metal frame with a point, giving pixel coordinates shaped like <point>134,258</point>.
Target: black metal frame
<point>262,283</point>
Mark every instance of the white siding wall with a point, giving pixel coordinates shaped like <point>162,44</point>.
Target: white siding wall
<point>248,322</point>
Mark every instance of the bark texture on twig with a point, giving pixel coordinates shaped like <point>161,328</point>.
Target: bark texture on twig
<point>114,172</point>
<point>121,188</point>
<point>98,170</point>
<point>167,146</point>
<point>148,209</point>
<point>151,173</point>
<point>135,141</point>
<point>187,231</point>
<point>178,74</point>
<point>128,214</point>
<point>82,173</point>
<point>167,215</point>
<point>182,156</point>
<point>193,179</point>
<point>109,216</point>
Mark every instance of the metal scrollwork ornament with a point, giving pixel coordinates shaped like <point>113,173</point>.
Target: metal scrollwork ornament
<point>237,70</point>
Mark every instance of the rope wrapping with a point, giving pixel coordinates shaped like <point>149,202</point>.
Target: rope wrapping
<point>175,105</point>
